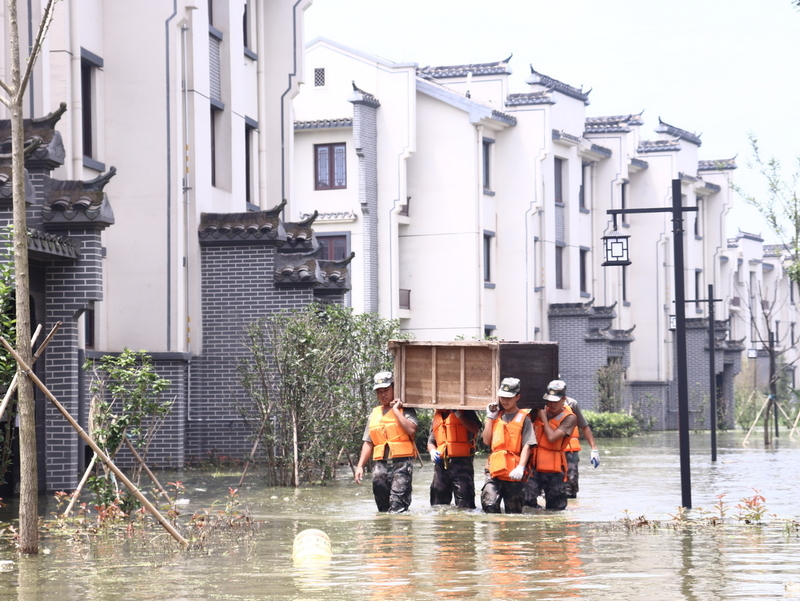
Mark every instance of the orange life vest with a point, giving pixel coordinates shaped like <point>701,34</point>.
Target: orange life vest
<point>549,456</point>
<point>506,445</point>
<point>574,440</point>
<point>385,429</point>
<point>452,438</point>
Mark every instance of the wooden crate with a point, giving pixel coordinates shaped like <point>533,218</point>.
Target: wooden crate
<point>467,374</point>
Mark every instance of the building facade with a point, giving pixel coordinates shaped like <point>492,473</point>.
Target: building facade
<point>478,211</point>
<point>156,205</point>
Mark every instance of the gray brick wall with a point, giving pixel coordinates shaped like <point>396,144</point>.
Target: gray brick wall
<point>237,289</point>
<point>69,289</point>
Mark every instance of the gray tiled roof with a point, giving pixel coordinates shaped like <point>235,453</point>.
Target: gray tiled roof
<point>530,98</point>
<point>52,245</point>
<point>361,97</point>
<point>686,177</point>
<point>612,123</point>
<point>601,150</point>
<point>562,135</point>
<point>640,163</point>
<point>477,70</point>
<point>324,123</point>
<point>559,86</point>
<point>240,227</point>
<point>666,128</point>
<point>773,250</point>
<point>646,146</point>
<point>716,165</point>
<point>710,186</point>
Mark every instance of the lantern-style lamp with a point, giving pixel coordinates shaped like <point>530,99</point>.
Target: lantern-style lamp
<point>615,250</point>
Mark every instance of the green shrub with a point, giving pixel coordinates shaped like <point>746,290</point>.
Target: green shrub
<point>611,425</point>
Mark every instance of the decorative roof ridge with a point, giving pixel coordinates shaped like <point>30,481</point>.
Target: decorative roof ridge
<point>562,135</point>
<point>359,96</point>
<point>640,163</point>
<point>64,200</point>
<point>666,128</point>
<point>526,98</point>
<point>629,119</point>
<point>646,146</point>
<point>52,244</point>
<point>324,123</point>
<point>239,227</point>
<point>541,79</point>
<point>477,69</point>
<point>717,164</point>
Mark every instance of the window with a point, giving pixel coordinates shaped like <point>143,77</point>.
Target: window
<point>487,164</point>
<point>319,78</point>
<point>623,201</point>
<point>488,331</point>
<point>88,328</point>
<point>334,247</point>
<point>791,291</point>
<point>248,39</point>
<point>559,267</point>
<point>624,283</point>
<point>698,280</point>
<point>697,232</point>
<point>90,63</point>
<point>330,167</point>
<point>405,298</point>
<point>215,118</point>
<point>792,338</point>
<point>487,256</point>
<point>558,182</point>
<point>584,267</point>
<point>582,192</point>
<point>250,171</point>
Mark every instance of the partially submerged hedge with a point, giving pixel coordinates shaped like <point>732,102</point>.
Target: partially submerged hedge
<point>611,425</point>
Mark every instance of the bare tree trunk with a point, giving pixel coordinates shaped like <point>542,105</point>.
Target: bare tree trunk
<point>296,448</point>
<point>29,478</point>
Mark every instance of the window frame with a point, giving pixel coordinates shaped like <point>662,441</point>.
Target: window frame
<point>331,179</point>
<point>558,179</point>
<point>329,252</point>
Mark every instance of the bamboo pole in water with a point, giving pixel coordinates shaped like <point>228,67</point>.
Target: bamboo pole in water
<point>97,450</point>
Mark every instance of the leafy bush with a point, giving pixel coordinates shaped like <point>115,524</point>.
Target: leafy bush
<point>611,425</point>
<point>309,376</point>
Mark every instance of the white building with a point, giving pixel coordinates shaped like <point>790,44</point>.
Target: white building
<point>473,210</point>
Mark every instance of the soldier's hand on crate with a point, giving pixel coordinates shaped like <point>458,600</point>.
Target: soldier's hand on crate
<point>595,460</point>
<point>517,472</point>
<point>492,409</point>
<point>397,403</point>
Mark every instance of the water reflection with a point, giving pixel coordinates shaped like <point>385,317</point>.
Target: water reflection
<point>445,553</point>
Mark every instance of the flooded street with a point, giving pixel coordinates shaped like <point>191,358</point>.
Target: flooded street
<point>434,553</point>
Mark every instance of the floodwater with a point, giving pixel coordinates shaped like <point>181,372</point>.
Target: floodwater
<point>442,553</point>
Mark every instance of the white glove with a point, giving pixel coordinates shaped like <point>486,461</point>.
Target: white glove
<point>595,460</point>
<point>517,472</point>
<point>492,410</point>
<point>436,456</point>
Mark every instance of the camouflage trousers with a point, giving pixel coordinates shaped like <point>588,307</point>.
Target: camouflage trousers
<point>510,492</point>
<point>458,481</point>
<point>391,484</point>
<point>551,485</point>
<point>572,474</point>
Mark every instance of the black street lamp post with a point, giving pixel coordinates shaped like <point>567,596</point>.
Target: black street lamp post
<point>677,210</point>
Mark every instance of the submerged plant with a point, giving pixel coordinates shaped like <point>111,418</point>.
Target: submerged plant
<point>751,510</point>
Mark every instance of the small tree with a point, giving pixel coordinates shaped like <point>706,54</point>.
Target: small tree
<point>609,386</point>
<point>780,206</point>
<point>308,374</point>
<point>126,402</point>
<point>14,92</point>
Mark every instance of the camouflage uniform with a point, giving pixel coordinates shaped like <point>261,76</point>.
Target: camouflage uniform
<point>391,484</point>
<point>572,474</point>
<point>391,478</point>
<point>554,487</point>
<point>574,457</point>
<point>458,481</point>
<point>511,492</point>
